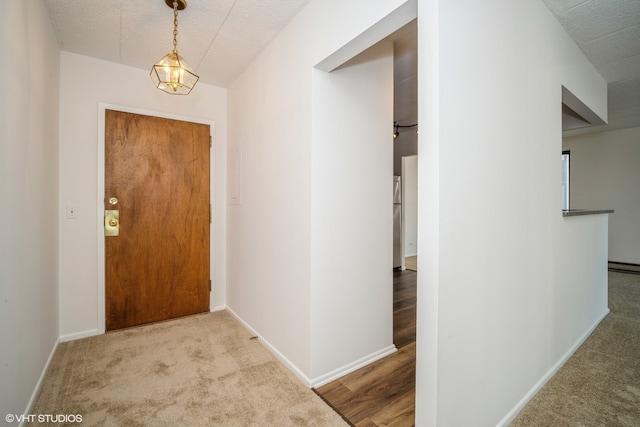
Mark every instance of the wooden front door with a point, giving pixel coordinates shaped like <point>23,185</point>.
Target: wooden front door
<point>157,202</point>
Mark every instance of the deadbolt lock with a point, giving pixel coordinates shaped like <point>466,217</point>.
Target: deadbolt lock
<point>111,222</point>
<point>113,200</point>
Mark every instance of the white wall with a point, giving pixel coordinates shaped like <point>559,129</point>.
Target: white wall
<point>405,145</point>
<point>351,212</point>
<point>503,297</point>
<point>85,82</point>
<point>605,175</point>
<point>270,221</point>
<point>28,190</point>
<point>410,204</point>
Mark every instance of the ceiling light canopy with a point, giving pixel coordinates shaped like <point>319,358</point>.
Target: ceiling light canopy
<point>172,74</point>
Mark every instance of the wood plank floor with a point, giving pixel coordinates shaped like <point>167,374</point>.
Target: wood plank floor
<point>383,393</point>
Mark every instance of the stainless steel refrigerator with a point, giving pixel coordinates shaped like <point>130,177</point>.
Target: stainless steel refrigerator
<point>398,250</point>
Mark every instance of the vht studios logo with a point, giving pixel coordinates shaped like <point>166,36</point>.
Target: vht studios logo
<point>44,418</point>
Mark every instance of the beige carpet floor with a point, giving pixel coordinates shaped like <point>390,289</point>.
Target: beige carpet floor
<point>600,384</point>
<point>202,370</point>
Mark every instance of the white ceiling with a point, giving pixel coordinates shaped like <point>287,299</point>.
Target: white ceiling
<point>217,38</point>
<point>220,38</point>
<point>608,32</point>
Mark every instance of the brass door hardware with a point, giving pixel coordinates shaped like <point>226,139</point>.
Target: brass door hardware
<point>111,223</point>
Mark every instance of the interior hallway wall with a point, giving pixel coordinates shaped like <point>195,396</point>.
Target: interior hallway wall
<point>605,175</point>
<point>29,99</point>
<point>507,287</point>
<point>271,137</point>
<point>85,83</point>
<point>351,211</point>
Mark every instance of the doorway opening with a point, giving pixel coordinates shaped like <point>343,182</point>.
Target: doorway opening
<point>390,381</point>
<point>405,166</point>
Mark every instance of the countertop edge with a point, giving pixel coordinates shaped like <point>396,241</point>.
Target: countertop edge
<point>579,212</point>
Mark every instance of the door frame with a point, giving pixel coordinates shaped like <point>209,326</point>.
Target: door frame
<point>100,207</point>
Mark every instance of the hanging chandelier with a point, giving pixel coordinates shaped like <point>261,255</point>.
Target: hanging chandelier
<point>172,74</point>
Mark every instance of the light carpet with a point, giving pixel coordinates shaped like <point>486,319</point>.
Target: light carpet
<point>203,370</point>
<point>600,384</point>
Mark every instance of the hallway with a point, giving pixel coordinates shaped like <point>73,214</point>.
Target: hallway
<point>594,384</point>
<point>383,392</point>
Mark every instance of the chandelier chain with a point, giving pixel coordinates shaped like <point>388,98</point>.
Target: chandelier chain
<point>175,26</point>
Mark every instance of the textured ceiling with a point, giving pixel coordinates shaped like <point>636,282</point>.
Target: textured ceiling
<point>218,38</point>
<point>608,32</point>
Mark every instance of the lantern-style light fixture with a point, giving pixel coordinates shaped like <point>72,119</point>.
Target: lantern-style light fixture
<point>172,74</point>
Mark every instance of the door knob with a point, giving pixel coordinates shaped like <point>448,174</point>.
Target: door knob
<point>111,222</point>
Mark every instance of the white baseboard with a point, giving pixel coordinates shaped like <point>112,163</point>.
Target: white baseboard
<point>36,390</point>
<point>354,366</point>
<point>218,308</point>
<point>80,335</point>
<point>286,362</point>
<point>554,369</point>
<point>323,379</point>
